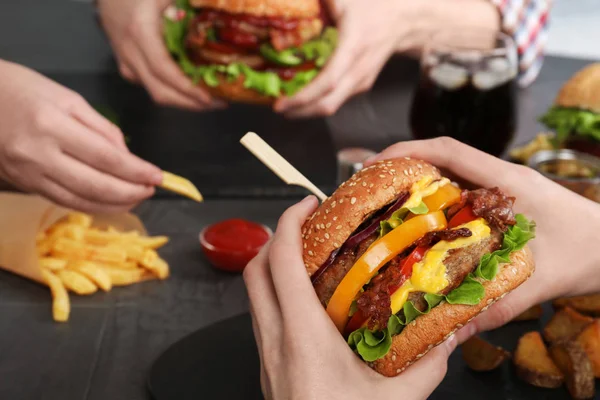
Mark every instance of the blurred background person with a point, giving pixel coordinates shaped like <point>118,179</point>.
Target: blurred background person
<point>370,33</point>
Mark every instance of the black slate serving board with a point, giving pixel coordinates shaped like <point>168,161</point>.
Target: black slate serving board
<point>221,362</point>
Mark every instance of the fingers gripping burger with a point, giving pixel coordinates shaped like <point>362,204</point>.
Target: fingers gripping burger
<point>250,50</point>
<point>401,258</point>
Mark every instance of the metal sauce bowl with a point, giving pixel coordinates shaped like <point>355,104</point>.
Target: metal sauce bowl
<point>586,186</point>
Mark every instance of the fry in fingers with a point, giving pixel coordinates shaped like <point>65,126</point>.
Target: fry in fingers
<point>180,186</point>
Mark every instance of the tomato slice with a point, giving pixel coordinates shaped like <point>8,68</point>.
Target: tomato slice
<point>462,217</point>
<point>376,256</point>
<point>407,265</point>
<point>222,47</point>
<point>238,38</point>
<point>356,322</point>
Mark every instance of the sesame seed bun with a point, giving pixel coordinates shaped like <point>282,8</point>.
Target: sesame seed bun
<point>356,200</point>
<point>264,8</point>
<point>430,330</point>
<point>582,90</point>
<point>236,92</point>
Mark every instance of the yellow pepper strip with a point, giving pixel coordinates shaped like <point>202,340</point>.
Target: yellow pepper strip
<point>443,198</point>
<point>180,186</point>
<point>380,253</point>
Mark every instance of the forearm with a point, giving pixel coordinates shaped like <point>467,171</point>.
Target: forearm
<point>434,15</point>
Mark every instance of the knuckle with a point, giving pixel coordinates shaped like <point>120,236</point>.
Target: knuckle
<point>328,109</point>
<point>17,151</point>
<point>44,119</point>
<point>446,142</point>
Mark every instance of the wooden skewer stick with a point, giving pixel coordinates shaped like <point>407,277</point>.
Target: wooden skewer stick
<point>279,165</point>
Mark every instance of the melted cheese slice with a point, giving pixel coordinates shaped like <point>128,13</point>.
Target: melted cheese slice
<point>423,188</point>
<point>429,275</point>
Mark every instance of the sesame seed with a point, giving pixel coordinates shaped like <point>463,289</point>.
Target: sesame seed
<point>327,211</point>
<point>305,245</point>
<point>318,212</point>
<point>328,225</point>
<point>407,158</point>
<point>393,357</point>
<point>338,227</point>
<point>314,244</point>
<point>394,180</point>
<point>353,200</point>
<point>341,201</point>
<point>321,240</point>
<point>410,171</point>
<point>405,172</point>
<point>371,185</point>
<point>333,204</point>
<point>336,244</point>
<point>364,183</point>
<point>327,236</point>
<point>322,226</point>
<point>359,179</point>
<point>382,176</point>
<point>398,370</point>
<point>318,227</point>
<point>335,218</point>
<point>310,253</point>
<point>393,170</point>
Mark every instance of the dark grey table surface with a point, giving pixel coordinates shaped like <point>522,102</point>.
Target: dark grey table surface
<point>107,348</point>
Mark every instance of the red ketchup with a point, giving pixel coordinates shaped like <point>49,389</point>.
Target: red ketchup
<point>229,245</point>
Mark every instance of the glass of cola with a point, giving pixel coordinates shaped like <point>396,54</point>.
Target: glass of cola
<point>468,89</point>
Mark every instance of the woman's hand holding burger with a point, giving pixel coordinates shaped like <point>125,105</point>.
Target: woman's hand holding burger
<point>565,250</point>
<point>302,353</point>
<point>52,142</point>
<point>135,32</point>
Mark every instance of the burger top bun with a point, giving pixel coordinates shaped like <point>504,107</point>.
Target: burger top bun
<point>264,8</point>
<point>355,200</point>
<point>582,90</point>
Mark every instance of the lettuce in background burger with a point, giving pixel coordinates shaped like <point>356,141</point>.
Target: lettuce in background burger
<point>252,51</point>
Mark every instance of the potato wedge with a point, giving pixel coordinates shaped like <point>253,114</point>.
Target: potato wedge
<point>589,339</point>
<point>565,324</point>
<point>572,360</point>
<point>530,314</point>
<point>483,356</point>
<point>589,304</point>
<point>533,362</point>
<point>180,185</point>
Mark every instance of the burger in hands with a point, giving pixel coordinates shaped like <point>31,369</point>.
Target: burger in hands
<point>401,258</point>
<point>250,51</point>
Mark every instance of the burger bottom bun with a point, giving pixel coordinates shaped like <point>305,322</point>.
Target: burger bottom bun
<point>236,92</point>
<point>430,330</point>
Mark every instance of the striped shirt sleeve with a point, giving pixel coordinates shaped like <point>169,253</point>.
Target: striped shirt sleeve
<point>527,22</point>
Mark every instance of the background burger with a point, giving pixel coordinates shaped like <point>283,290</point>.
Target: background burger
<point>575,116</point>
<point>401,258</point>
<point>250,51</point>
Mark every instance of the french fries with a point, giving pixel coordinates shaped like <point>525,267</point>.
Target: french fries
<point>180,186</point>
<point>61,306</point>
<point>589,339</point>
<point>572,360</point>
<point>530,314</point>
<point>589,305</point>
<point>77,257</point>
<point>565,324</point>
<point>533,363</point>
<point>481,355</point>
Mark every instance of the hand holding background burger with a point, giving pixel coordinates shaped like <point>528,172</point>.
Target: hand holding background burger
<point>135,31</point>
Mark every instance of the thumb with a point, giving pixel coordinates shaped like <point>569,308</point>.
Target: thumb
<point>427,373</point>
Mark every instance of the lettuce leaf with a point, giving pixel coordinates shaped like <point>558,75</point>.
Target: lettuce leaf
<point>373,345</point>
<point>264,82</point>
<point>515,238</point>
<point>398,216</point>
<point>572,121</point>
